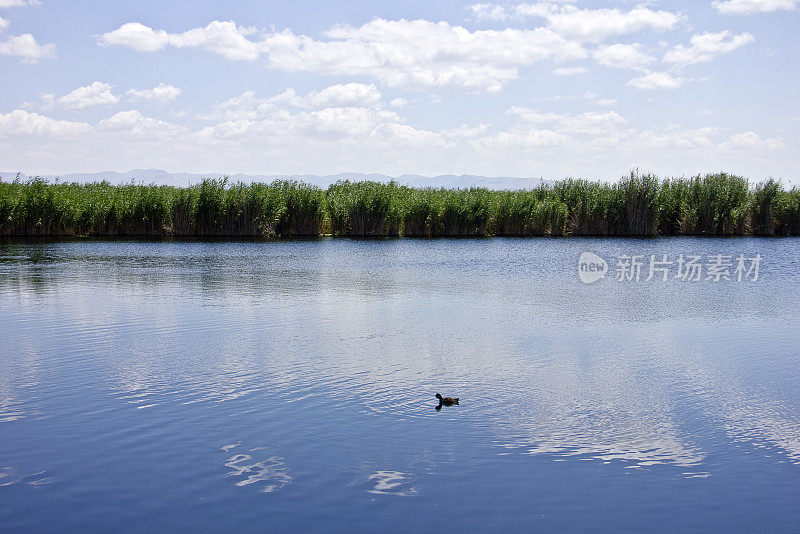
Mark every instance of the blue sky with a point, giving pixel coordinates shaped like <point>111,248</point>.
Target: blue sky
<point>540,89</point>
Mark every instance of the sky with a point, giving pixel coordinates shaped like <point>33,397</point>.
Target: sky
<point>550,89</point>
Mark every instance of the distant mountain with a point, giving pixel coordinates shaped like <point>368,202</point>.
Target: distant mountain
<point>182,179</point>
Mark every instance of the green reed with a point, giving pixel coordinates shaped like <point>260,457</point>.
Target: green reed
<point>363,209</point>
<point>637,205</point>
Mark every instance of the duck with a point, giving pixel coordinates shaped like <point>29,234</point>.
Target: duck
<point>447,401</point>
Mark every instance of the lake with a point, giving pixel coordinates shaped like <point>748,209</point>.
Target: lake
<point>289,385</point>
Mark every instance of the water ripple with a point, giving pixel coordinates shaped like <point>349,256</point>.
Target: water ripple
<point>270,473</point>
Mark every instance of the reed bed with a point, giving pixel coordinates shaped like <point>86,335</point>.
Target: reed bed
<point>638,205</point>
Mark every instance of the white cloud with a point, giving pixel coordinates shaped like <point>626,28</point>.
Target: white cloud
<point>94,94</point>
<point>488,11</point>
<point>570,71</point>
<point>137,36</point>
<point>134,124</point>
<point>704,47</point>
<point>622,56</point>
<point>127,139</point>
<point>26,47</point>
<point>369,139</point>
<point>753,6</point>
<point>673,137</point>
<point>590,123</point>
<point>657,80</point>
<point>248,106</point>
<point>3,24</point>
<point>16,3</point>
<point>161,94</point>
<point>21,122</point>
<point>345,95</point>
<point>223,38</point>
<point>348,121</point>
<point>598,24</point>
<point>331,126</point>
<point>752,141</point>
<point>398,53</point>
<point>398,103</point>
<point>521,141</point>
<point>465,132</point>
<point>422,54</point>
<point>344,122</point>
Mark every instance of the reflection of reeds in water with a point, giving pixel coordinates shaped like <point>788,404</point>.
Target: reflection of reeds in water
<point>20,369</point>
<point>715,204</point>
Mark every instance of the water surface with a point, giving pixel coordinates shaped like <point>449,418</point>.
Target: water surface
<point>289,385</point>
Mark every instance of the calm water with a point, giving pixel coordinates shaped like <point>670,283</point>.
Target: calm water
<point>290,385</point>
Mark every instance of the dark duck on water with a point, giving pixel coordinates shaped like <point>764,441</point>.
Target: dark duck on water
<point>446,401</point>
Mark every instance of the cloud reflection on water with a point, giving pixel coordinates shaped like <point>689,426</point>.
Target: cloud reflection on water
<point>270,473</point>
<point>378,330</point>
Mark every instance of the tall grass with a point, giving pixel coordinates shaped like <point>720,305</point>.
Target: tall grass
<point>787,212</point>
<point>299,210</point>
<point>717,204</point>
<point>363,209</point>
<point>637,205</point>
<point>764,207</point>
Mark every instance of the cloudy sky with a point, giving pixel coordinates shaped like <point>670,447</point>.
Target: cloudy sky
<point>544,89</point>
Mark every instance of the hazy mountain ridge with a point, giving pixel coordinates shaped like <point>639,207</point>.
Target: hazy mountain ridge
<point>183,179</point>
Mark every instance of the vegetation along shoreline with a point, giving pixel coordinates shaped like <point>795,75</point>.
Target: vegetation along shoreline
<point>638,205</point>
